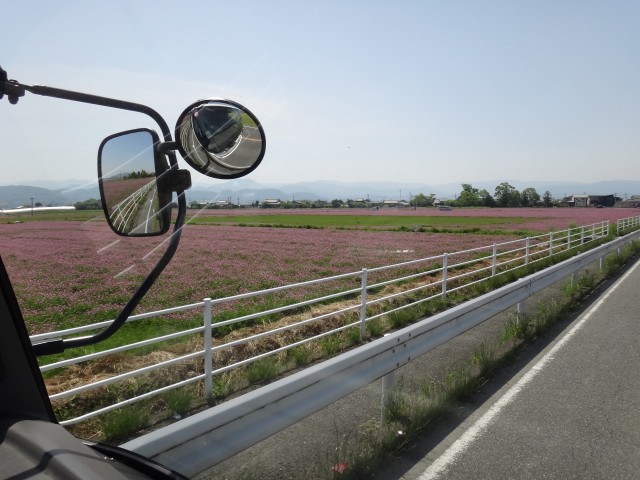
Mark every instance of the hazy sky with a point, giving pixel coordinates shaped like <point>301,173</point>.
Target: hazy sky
<point>417,91</point>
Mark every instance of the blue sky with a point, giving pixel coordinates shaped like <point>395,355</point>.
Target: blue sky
<point>411,91</point>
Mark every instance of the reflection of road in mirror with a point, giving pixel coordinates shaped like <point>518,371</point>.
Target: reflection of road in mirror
<point>246,151</point>
<point>220,139</point>
<point>138,214</point>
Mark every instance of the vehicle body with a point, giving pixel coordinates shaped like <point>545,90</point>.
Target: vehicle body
<point>137,203</point>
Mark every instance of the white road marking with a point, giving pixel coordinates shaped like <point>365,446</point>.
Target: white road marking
<point>439,466</point>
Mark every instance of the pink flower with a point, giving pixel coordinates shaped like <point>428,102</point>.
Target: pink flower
<point>339,468</point>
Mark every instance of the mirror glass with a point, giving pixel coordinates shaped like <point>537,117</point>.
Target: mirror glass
<point>220,138</point>
<point>127,170</point>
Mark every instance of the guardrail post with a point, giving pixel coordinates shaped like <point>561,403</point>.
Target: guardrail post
<point>550,243</point>
<point>445,262</point>
<point>363,304</point>
<point>582,236</point>
<point>520,311</point>
<point>388,386</point>
<point>569,239</point>
<point>208,360</point>
<point>494,260</point>
<point>527,245</point>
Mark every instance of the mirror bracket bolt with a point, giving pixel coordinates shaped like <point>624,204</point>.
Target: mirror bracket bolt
<point>12,89</point>
<point>177,180</point>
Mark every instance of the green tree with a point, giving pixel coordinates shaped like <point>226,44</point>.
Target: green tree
<point>530,197</point>
<point>422,200</point>
<point>547,199</point>
<point>356,204</point>
<point>486,198</point>
<point>469,196</point>
<point>91,204</point>
<point>507,196</point>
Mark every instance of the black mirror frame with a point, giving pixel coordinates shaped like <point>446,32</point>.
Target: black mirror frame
<point>203,170</point>
<point>164,192</point>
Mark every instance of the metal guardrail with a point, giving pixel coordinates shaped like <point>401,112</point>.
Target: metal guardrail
<point>435,277</point>
<point>628,223</point>
<point>205,439</point>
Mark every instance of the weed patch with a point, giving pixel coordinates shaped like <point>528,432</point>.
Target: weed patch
<point>120,424</point>
<point>262,370</point>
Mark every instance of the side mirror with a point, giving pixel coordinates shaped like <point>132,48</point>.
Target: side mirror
<point>220,138</point>
<point>129,170</point>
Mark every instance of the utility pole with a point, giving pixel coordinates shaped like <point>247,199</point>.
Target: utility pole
<point>32,206</point>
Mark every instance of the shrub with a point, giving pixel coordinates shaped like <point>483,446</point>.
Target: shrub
<point>120,424</point>
<point>300,356</point>
<point>262,370</point>
<point>179,400</point>
<point>375,327</point>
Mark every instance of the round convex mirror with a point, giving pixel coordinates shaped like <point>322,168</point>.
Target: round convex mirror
<point>220,138</point>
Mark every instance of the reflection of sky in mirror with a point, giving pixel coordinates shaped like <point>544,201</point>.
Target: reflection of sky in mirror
<point>128,153</point>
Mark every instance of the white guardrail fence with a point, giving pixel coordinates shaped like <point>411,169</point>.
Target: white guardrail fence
<point>195,443</point>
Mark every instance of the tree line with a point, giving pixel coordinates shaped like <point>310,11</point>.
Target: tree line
<point>504,195</point>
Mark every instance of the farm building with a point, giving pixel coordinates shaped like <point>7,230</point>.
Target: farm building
<point>604,200</point>
<point>575,201</point>
<point>632,202</point>
<point>271,203</point>
<point>590,201</point>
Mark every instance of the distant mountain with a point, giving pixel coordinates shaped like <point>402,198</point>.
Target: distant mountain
<point>59,184</point>
<point>328,190</point>
<point>12,196</point>
<point>246,190</point>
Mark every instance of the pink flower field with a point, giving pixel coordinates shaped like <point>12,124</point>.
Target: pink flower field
<point>79,272</point>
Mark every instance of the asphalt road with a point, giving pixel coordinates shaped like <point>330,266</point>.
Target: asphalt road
<point>572,412</point>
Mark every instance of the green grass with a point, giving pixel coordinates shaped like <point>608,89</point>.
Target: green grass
<point>300,356</point>
<point>375,328</point>
<point>179,400</point>
<point>119,424</point>
<point>128,333</point>
<point>330,345</point>
<point>262,370</point>
<point>355,221</point>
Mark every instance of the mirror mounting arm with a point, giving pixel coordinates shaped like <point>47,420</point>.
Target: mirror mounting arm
<point>60,345</point>
<point>164,147</point>
<point>14,89</point>
<point>177,180</point>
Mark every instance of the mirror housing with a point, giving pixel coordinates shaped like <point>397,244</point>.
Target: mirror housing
<point>132,178</point>
<point>220,138</point>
